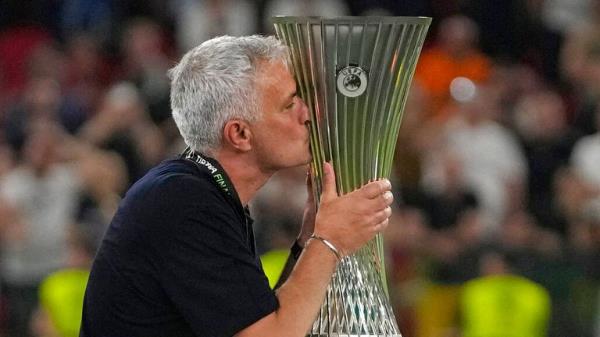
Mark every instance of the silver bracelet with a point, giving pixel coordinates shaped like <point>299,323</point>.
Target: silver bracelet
<point>329,245</point>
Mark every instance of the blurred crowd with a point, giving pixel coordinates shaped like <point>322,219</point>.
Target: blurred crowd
<point>496,231</point>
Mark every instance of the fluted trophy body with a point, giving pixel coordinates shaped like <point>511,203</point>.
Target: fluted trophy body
<point>354,74</point>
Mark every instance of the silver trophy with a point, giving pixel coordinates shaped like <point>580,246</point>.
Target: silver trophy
<point>354,74</point>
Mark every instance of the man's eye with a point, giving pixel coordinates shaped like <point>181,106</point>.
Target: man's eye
<point>291,105</point>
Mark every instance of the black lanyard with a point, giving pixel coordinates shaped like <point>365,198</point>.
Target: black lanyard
<point>216,171</point>
<point>222,181</point>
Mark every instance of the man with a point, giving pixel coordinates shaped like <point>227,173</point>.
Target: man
<point>178,258</point>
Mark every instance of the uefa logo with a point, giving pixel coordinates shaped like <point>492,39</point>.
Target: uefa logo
<point>352,81</point>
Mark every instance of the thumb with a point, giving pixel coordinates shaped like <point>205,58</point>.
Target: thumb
<point>329,187</point>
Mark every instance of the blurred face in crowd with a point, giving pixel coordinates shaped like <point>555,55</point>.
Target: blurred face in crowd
<point>142,41</point>
<point>541,116</point>
<point>43,98</point>
<point>42,146</point>
<point>458,34</point>
<point>280,135</point>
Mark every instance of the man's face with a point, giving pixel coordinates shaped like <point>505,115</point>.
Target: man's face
<point>280,136</point>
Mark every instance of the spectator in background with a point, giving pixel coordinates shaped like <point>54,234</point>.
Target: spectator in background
<point>570,193</point>
<point>581,305</point>
<point>61,293</point>
<point>510,82</point>
<point>44,193</point>
<point>561,16</point>
<point>454,251</point>
<point>41,102</point>
<point>326,8</point>
<point>557,19</point>
<point>218,17</point>
<point>505,26</point>
<point>94,17</point>
<point>407,249</point>
<point>454,54</point>
<point>387,7</point>
<point>501,303</point>
<point>447,260</point>
<point>88,75</point>
<point>412,142</point>
<point>145,63</point>
<point>586,157</point>
<point>580,66</point>
<point>540,120</point>
<point>491,161</point>
<point>16,45</point>
<point>123,125</point>
<point>103,175</point>
<point>44,97</point>
<point>531,248</point>
<point>445,201</point>
<point>586,238</point>
<point>579,37</point>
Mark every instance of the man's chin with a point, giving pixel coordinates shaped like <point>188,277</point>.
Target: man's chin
<point>307,156</point>
<point>304,162</point>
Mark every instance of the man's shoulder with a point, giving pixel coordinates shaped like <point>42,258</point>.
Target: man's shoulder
<point>173,184</point>
<point>179,174</point>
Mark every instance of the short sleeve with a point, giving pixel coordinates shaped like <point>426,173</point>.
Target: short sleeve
<point>210,272</point>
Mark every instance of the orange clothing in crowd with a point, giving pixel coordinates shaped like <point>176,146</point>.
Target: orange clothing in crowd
<point>437,68</point>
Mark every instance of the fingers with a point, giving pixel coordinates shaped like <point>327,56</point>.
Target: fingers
<point>376,188</point>
<point>329,187</point>
<point>382,215</point>
<point>378,203</point>
<point>380,227</point>
<point>382,220</point>
<point>386,199</point>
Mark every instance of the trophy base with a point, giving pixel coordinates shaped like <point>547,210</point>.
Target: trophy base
<point>347,335</point>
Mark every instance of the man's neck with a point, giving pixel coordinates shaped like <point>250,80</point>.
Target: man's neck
<point>246,176</point>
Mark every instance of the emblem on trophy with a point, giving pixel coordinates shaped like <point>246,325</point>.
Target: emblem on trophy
<point>352,81</point>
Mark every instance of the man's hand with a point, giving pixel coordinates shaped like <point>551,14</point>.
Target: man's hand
<point>351,220</point>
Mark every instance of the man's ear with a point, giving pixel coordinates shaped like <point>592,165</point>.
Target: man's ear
<point>237,134</point>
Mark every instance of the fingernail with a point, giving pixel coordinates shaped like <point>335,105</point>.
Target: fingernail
<point>388,195</point>
<point>387,184</point>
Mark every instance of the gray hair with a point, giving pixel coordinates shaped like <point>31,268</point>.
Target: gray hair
<point>215,82</point>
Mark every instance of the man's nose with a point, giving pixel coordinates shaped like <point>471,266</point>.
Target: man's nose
<point>304,117</point>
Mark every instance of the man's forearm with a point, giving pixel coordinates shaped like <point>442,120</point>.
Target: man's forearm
<point>293,257</point>
<point>300,297</point>
<point>304,291</point>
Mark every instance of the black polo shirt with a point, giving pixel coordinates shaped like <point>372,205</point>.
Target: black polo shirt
<point>178,259</point>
